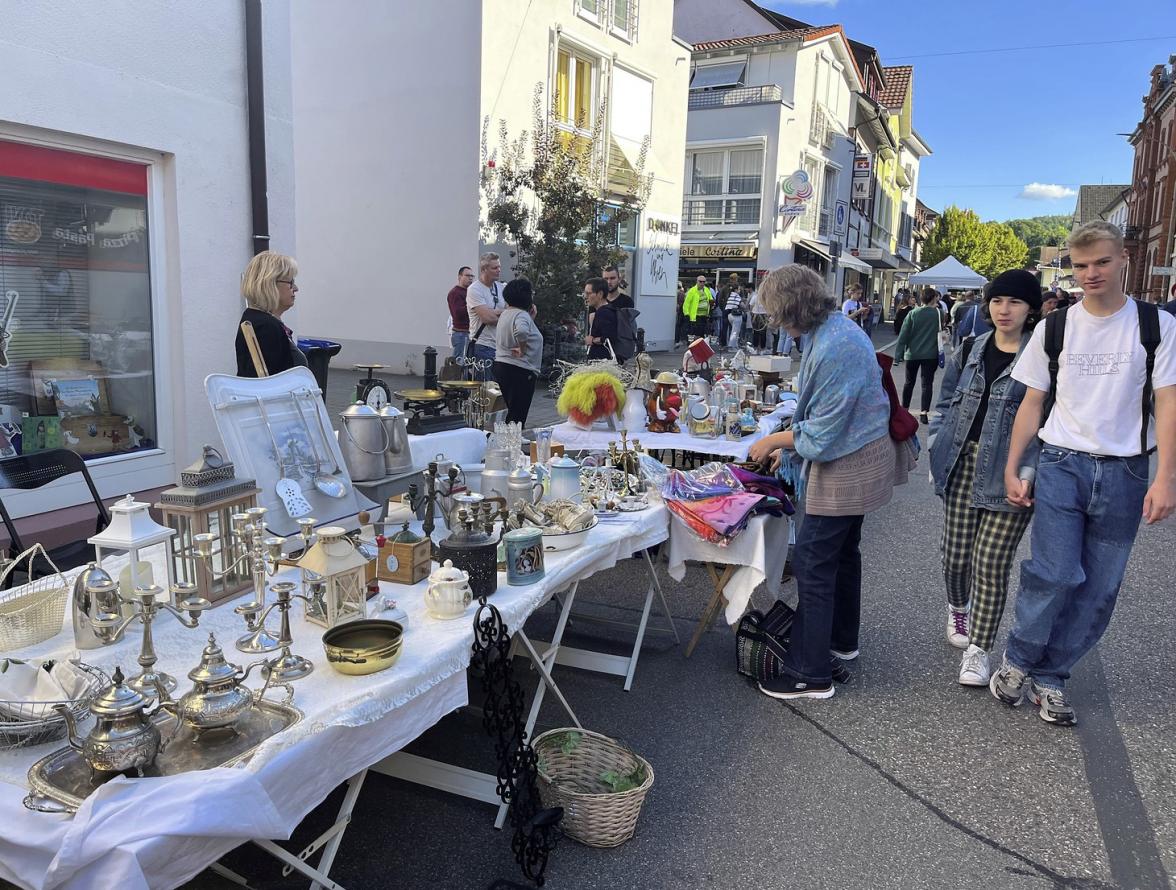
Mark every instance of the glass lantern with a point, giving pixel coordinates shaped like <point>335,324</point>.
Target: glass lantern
<point>200,511</point>
<point>131,531</point>
<point>342,584</point>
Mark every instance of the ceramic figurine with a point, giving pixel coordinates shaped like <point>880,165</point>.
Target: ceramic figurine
<point>664,404</point>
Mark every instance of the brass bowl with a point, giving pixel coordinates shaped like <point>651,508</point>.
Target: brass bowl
<point>461,385</point>
<point>363,647</point>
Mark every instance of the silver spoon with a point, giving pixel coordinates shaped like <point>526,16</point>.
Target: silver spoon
<point>328,483</point>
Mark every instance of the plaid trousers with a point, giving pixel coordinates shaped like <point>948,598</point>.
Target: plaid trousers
<point>978,551</point>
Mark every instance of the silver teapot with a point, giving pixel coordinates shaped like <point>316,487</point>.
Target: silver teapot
<point>124,737</point>
<point>218,697</point>
<point>522,486</point>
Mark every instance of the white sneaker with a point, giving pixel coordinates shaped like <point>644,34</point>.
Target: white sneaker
<point>957,627</point>
<point>974,670</point>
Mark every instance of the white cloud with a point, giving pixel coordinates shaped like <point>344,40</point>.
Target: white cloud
<point>1040,191</point>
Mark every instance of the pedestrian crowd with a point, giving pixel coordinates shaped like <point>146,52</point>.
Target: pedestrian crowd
<point>1048,413</point>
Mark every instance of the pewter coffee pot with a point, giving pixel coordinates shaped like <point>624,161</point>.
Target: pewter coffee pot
<point>522,486</point>
<point>398,456</point>
<point>95,596</point>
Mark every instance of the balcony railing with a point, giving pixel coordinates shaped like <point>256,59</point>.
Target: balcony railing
<point>735,96</point>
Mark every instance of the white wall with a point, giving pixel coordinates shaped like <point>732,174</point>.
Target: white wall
<point>518,45</point>
<point>386,104</point>
<point>163,83</point>
<point>697,21</point>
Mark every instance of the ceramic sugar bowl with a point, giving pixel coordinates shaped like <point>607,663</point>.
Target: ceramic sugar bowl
<point>449,592</point>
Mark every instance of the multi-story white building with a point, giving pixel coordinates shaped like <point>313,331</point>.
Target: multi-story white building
<point>389,101</point>
<point>125,212</point>
<point>764,109</point>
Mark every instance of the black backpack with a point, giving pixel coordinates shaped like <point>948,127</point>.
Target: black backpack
<point>1149,338</point>
<point>625,345</point>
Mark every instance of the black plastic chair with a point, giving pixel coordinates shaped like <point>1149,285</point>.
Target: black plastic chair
<point>29,471</point>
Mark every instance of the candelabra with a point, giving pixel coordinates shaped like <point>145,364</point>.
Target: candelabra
<point>287,666</point>
<point>146,604</point>
<point>264,557</point>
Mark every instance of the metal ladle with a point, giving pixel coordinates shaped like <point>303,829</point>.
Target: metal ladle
<point>328,483</point>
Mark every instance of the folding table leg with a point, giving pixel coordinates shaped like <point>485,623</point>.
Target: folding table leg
<point>546,682</point>
<point>661,595</point>
<point>712,608</point>
<point>298,865</point>
<point>342,820</point>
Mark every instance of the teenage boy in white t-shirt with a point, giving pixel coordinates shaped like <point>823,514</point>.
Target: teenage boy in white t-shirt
<point>1091,485</point>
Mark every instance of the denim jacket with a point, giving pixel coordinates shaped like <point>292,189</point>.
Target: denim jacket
<point>959,400</point>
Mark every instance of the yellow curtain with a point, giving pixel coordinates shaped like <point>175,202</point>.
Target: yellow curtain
<point>583,93</point>
<point>562,83</point>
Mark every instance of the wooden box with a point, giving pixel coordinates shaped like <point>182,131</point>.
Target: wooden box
<point>404,563</point>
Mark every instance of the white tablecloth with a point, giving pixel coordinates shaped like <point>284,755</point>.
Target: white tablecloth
<point>760,551</point>
<point>465,446</point>
<point>575,439</point>
<point>159,832</point>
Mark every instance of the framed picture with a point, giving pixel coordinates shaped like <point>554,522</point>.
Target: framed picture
<point>46,373</point>
<point>40,433</point>
<point>76,398</point>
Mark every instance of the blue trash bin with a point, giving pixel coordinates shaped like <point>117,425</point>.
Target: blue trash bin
<point>318,358</point>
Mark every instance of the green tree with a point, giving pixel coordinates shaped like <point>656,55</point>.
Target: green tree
<point>988,247</point>
<point>544,194</point>
<point>1038,231</point>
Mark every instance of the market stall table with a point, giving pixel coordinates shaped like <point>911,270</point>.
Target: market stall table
<point>757,554</point>
<point>607,544</point>
<point>161,831</point>
<point>575,439</point>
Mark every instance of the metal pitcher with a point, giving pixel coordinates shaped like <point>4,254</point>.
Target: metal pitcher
<point>398,456</point>
<point>363,441</point>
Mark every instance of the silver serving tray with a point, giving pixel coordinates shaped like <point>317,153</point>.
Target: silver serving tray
<point>64,778</point>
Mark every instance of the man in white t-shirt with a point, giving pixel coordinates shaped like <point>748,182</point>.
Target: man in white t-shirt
<point>484,303</point>
<point>1091,485</point>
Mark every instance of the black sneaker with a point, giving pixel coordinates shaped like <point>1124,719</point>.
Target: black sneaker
<point>839,671</point>
<point>785,687</point>
<point>923,418</point>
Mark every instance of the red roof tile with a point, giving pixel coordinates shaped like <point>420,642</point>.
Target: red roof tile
<point>898,81</point>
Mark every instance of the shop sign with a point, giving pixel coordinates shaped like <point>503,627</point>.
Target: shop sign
<point>795,192</point>
<point>658,273</point>
<point>861,190</point>
<point>1163,270</point>
<point>863,166</point>
<point>868,253</point>
<point>840,218</point>
<point>719,251</point>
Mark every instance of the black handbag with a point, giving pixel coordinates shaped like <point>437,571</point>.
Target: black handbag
<point>761,641</point>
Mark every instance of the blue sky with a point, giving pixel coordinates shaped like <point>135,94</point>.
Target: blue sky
<point>1000,121</point>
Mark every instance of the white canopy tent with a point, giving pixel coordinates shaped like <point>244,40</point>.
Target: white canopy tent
<point>948,274</point>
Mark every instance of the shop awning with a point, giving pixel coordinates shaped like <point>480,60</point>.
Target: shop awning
<point>849,261</point>
<point>815,247</point>
<point>877,257</point>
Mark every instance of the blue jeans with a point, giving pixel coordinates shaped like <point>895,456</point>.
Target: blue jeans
<point>484,353</point>
<point>827,564</point>
<point>1087,511</point>
<point>458,340</point>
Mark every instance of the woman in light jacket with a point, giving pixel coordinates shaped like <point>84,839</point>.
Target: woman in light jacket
<point>839,456</point>
<point>970,444</point>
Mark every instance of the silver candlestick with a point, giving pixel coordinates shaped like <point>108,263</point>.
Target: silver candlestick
<point>147,605</point>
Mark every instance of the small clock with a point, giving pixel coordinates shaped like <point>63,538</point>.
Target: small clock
<point>374,395</point>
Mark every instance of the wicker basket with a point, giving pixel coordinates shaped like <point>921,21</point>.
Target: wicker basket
<point>571,763</point>
<point>33,612</point>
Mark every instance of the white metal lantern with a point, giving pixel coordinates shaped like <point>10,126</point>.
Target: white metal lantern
<point>342,571</point>
<point>131,530</point>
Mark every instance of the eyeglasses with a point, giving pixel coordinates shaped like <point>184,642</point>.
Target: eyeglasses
<point>289,281</point>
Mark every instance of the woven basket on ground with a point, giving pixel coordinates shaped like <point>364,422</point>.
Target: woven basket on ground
<point>572,778</point>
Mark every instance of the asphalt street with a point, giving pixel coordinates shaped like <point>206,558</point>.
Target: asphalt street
<point>904,779</point>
